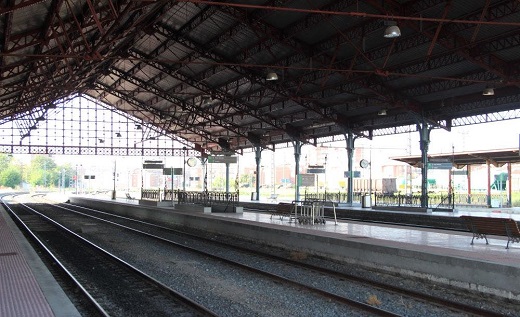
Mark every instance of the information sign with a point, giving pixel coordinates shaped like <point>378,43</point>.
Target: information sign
<point>315,170</point>
<point>440,166</point>
<point>463,172</point>
<point>357,174</point>
<point>222,159</point>
<point>153,166</point>
<point>306,179</point>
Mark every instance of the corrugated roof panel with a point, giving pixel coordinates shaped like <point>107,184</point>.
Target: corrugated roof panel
<point>211,27</point>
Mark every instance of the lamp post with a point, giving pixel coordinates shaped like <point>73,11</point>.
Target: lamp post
<point>114,190</point>
<point>77,179</point>
<point>325,172</point>
<point>184,169</point>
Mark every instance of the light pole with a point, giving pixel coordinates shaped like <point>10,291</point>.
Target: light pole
<point>115,170</point>
<point>325,172</point>
<point>184,169</point>
<point>77,179</point>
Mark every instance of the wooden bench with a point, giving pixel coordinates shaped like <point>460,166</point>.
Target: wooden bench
<point>483,226</point>
<point>283,210</point>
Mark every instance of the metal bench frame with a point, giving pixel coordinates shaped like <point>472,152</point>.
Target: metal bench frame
<point>481,227</point>
<point>283,210</point>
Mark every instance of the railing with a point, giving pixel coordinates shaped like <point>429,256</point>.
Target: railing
<point>202,198</point>
<point>207,198</point>
<point>397,200</point>
<point>151,194</point>
<point>338,197</point>
<point>447,203</point>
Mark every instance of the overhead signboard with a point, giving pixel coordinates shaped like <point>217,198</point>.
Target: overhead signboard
<point>440,165</point>
<point>315,169</point>
<point>463,172</point>
<point>222,159</point>
<point>357,174</point>
<point>153,166</point>
<point>306,179</point>
<point>176,171</point>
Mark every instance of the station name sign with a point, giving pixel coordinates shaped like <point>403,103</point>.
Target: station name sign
<point>222,159</point>
<point>440,164</point>
<point>315,169</point>
<point>153,165</point>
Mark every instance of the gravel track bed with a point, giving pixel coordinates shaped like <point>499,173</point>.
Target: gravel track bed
<point>392,302</point>
<point>227,290</point>
<point>473,298</point>
<point>120,291</point>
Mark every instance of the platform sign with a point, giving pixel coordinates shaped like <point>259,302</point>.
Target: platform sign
<point>462,172</point>
<point>306,179</point>
<point>357,174</point>
<point>168,171</point>
<point>285,180</point>
<point>440,165</point>
<point>222,159</point>
<point>153,166</point>
<point>315,169</point>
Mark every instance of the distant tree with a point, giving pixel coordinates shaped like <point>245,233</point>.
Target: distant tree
<point>42,171</point>
<point>218,183</point>
<point>246,179</point>
<point>5,159</point>
<point>10,177</point>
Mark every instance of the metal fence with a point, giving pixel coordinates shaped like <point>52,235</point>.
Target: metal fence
<point>208,198</point>
<point>190,197</point>
<point>435,200</point>
<point>339,197</point>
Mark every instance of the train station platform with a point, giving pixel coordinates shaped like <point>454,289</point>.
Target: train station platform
<point>27,288</point>
<point>439,255</point>
<point>443,256</point>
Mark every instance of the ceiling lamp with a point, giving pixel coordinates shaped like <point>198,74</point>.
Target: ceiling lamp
<point>488,91</point>
<point>271,76</point>
<point>392,30</point>
<point>381,112</point>
<point>205,100</point>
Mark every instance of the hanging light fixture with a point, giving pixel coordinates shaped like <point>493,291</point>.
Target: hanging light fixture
<point>271,76</point>
<point>392,30</point>
<point>205,100</point>
<point>488,91</point>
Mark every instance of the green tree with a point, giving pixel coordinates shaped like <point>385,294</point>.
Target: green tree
<point>42,171</point>
<point>5,159</point>
<point>218,183</point>
<point>10,177</point>
<point>247,180</point>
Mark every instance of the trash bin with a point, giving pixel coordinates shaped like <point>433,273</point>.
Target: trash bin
<point>366,201</point>
<point>253,196</point>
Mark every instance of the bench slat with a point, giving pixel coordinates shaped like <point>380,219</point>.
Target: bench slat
<point>483,226</point>
<point>282,209</point>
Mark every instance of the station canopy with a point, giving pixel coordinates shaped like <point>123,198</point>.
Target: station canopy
<point>461,159</point>
<point>237,74</point>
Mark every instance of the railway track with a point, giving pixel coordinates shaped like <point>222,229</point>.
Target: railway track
<point>293,275</point>
<point>114,287</point>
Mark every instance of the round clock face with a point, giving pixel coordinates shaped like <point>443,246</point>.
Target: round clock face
<point>364,163</point>
<point>192,162</point>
